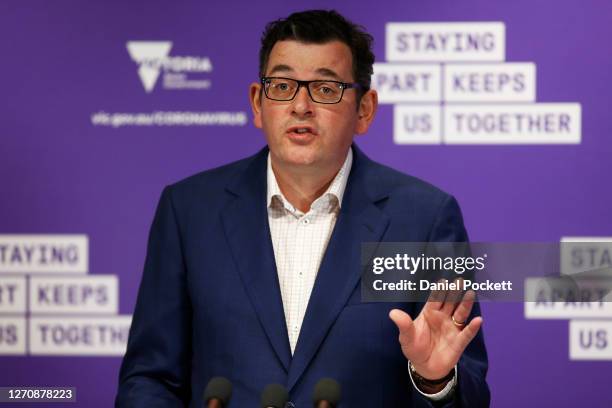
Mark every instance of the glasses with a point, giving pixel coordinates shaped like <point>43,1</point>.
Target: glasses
<point>320,91</point>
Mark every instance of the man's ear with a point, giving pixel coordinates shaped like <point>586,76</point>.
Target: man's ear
<point>255,100</point>
<point>367,109</point>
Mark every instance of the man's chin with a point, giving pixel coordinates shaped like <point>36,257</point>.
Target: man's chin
<point>298,158</point>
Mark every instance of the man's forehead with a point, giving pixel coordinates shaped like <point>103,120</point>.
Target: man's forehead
<point>331,59</point>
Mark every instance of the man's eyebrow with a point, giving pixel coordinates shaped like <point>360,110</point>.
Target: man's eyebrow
<point>325,72</point>
<point>280,68</point>
<point>329,73</point>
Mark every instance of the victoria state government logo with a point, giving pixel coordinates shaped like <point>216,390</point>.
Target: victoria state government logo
<point>178,72</point>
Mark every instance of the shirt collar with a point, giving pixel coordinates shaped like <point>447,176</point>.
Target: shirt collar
<point>335,190</point>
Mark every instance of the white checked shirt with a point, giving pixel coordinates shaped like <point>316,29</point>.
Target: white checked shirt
<point>299,242</point>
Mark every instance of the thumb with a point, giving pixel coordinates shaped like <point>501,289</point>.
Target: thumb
<point>404,323</point>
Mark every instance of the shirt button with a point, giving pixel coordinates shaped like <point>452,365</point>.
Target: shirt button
<point>306,221</point>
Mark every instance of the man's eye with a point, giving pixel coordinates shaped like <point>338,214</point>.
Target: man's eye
<point>283,86</point>
<point>326,90</point>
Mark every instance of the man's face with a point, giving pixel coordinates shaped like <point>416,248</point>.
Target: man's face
<point>329,128</point>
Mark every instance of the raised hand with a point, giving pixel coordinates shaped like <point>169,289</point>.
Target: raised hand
<point>435,340</point>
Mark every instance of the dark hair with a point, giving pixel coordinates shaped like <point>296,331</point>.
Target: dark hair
<point>319,27</point>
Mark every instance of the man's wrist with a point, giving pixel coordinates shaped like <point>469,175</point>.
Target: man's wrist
<point>436,389</point>
<point>428,381</point>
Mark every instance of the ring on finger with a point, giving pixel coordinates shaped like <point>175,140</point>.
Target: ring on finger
<point>456,323</point>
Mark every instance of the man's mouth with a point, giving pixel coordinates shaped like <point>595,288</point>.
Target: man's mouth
<point>302,130</point>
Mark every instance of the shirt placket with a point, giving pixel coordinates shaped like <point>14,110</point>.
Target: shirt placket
<point>303,254</point>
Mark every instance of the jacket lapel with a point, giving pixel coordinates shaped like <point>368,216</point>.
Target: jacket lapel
<point>360,220</point>
<point>245,221</point>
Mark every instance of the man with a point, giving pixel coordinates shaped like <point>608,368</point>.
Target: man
<point>253,268</point>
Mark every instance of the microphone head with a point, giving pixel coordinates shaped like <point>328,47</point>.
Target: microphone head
<point>219,388</point>
<point>274,396</point>
<point>327,389</point>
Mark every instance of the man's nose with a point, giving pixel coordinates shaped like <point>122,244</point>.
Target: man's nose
<point>302,104</point>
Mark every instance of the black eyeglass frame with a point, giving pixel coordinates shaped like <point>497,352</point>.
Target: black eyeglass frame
<point>343,86</point>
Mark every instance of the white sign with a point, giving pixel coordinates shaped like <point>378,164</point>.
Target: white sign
<point>416,124</point>
<point>541,123</point>
<point>95,294</point>
<point>12,294</point>
<point>568,310</point>
<point>12,335</point>
<point>586,254</point>
<point>83,336</point>
<point>407,82</point>
<point>492,82</point>
<point>44,254</point>
<point>445,41</point>
<point>590,340</point>
<point>483,98</point>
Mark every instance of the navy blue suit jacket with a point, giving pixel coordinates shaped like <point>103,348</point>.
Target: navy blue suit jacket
<point>209,303</point>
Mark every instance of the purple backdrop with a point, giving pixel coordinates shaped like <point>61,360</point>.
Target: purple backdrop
<point>66,60</point>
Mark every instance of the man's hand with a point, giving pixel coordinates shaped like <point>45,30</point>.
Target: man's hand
<point>433,342</point>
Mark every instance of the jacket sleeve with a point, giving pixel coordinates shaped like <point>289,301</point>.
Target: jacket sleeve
<point>156,367</point>
<point>472,390</point>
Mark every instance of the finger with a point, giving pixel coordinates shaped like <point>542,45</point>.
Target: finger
<point>468,333</point>
<point>436,297</point>
<point>405,324</point>
<point>465,307</point>
<point>453,297</point>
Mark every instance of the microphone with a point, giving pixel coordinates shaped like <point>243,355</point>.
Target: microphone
<point>326,393</point>
<point>217,393</point>
<point>274,396</point>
